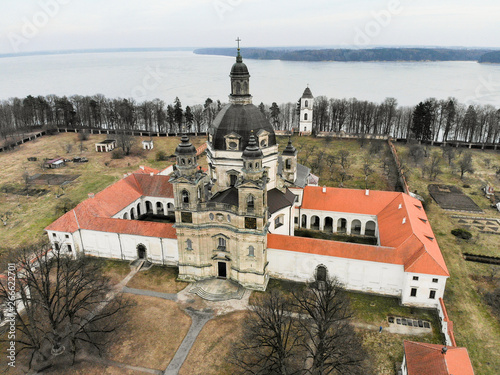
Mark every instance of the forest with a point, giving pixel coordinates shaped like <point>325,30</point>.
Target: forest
<point>430,120</point>
<point>371,54</point>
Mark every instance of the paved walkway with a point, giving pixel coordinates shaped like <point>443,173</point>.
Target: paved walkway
<point>198,321</point>
<point>150,293</point>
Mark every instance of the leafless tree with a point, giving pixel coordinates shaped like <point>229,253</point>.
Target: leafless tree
<point>465,165</point>
<point>272,338</point>
<point>344,159</point>
<point>367,170</point>
<point>331,341</point>
<point>449,153</point>
<point>67,303</point>
<point>432,168</point>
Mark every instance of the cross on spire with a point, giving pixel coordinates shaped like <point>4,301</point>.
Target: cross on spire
<point>238,40</point>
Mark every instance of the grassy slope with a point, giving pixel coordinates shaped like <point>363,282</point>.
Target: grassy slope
<point>475,327</point>
<point>32,214</point>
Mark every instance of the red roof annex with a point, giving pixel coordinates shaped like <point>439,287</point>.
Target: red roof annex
<point>97,213</point>
<point>430,359</point>
<point>405,234</point>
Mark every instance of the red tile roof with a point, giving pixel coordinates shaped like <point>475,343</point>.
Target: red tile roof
<point>428,359</point>
<point>405,234</point>
<point>96,213</point>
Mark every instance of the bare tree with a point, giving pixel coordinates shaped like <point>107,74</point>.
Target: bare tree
<point>62,304</point>
<point>271,338</point>
<point>367,170</point>
<point>465,165</point>
<point>449,153</point>
<point>331,341</point>
<point>432,168</point>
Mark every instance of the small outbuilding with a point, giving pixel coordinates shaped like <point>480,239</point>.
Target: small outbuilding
<point>54,163</point>
<point>105,146</point>
<point>147,145</point>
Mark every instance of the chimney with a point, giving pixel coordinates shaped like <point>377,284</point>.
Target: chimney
<point>400,206</point>
<point>324,189</point>
<point>91,195</point>
<point>141,166</point>
<point>444,350</point>
<point>367,192</point>
<point>151,174</point>
<point>404,220</point>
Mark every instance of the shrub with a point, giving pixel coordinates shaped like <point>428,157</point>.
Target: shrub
<point>117,154</point>
<point>466,186</point>
<point>161,156</point>
<point>462,233</point>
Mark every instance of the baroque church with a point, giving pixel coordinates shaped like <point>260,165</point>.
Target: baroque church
<point>237,219</point>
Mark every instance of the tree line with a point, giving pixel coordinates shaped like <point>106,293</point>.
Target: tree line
<point>430,120</point>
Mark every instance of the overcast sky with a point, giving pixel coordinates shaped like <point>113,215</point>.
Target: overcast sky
<point>36,25</point>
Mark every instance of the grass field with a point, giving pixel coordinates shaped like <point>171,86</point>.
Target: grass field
<point>314,152</point>
<point>475,326</point>
<point>30,215</point>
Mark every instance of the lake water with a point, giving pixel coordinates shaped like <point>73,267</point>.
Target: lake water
<point>193,78</point>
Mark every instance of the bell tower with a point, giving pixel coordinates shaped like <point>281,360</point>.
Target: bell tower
<point>240,81</point>
<point>289,157</point>
<point>306,111</point>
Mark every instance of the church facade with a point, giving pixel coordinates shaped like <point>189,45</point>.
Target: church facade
<point>237,219</point>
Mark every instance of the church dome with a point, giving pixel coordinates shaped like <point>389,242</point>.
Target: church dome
<point>307,93</point>
<point>252,151</point>
<point>239,69</point>
<point>185,147</point>
<point>240,120</point>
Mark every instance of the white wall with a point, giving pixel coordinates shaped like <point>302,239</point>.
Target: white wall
<point>287,228</point>
<point>358,275</point>
<point>124,246</point>
<point>424,285</point>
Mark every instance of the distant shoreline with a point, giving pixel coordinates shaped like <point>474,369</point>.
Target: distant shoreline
<point>110,50</point>
<point>361,55</point>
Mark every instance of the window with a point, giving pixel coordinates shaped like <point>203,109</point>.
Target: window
<point>432,294</point>
<point>250,203</point>
<point>435,280</point>
<point>221,243</point>
<point>306,103</point>
<point>69,248</point>
<point>288,164</point>
<point>263,143</point>
<point>413,292</point>
<point>250,223</point>
<point>305,116</point>
<point>321,274</point>
<point>233,145</point>
<point>232,179</point>
<point>66,235</point>
<point>186,217</point>
<point>251,251</point>
<point>185,196</point>
<point>278,222</point>
<point>189,244</point>
<point>296,220</point>
<point>54,235</point>
<point>415,278</point>
<point>211,216</point>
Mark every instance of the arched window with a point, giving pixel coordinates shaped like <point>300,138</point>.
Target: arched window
<point>305,116</point>
<point>328,224</point>
<point>306,103</point>
<point>238,87</point>
<point>250,165</point>
<point>315,222</point>
<point>189,244</point>
<point>199,192</point>
<point>232,179</point>
<point>370,228</point>
<point>132,213</point>
<point>125,215</point>
<point>342,226</point>
<point>251,251</point>
<point>185,196</point>
<point>138,210</point>
<point>288,164</point>
<point>183,161</point>
<point>356,227</point>
<point>304,221</point>
<point>321,273</point>
<point>159,208</point>
<point>221,243</point>
<point>250,203</point>
<point>149,207</point>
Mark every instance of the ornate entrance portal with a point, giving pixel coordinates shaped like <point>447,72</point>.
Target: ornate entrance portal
<point>222,268</point>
